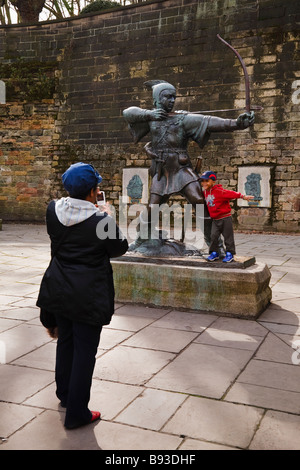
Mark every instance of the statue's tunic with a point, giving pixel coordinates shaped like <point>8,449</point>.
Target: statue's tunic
<point>171,168</point>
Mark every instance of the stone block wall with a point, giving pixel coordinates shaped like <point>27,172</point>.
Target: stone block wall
<point>26,172</point>
<point>68,82</point>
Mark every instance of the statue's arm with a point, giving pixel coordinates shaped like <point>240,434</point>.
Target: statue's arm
<point>138,122</point>
<point>134,115</point>
<point>217,124</point>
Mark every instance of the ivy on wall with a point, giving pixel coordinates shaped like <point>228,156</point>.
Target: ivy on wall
<point>29,80</point>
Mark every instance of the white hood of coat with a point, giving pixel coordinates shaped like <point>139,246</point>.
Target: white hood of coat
<point>71,211</point>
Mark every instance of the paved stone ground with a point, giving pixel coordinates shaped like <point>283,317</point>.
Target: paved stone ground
<point>164,379</point>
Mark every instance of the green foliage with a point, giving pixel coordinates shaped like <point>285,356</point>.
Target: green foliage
<point>28,81</point>
<point>99,5</point>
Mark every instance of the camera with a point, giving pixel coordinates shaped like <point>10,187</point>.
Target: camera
<point>101,198</point>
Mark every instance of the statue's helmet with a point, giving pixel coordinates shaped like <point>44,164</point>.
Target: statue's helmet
<point>157,87</point>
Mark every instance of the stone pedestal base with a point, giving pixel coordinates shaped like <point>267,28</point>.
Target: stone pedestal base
<point>194,285</point>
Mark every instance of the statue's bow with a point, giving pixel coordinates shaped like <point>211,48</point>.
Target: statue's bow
<point>247,85</point>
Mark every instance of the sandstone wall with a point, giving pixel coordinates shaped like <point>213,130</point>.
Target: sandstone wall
<point>68,82</point>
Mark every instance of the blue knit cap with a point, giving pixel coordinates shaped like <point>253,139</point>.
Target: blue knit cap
<point>80,178</point>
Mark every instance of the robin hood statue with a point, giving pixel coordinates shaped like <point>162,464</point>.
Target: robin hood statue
<point>171,169</point>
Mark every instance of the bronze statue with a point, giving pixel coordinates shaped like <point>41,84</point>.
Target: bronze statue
<point>171,169</point>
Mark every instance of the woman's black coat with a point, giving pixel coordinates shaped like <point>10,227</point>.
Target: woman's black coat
<point>78,283</point>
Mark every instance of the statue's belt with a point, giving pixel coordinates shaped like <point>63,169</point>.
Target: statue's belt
<point>162,155</point>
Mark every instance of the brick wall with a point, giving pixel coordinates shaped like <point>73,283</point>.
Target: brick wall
<point>93,67</point>
<point>26,160</point>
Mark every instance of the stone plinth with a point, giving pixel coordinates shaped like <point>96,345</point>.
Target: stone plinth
<point>229,289</point>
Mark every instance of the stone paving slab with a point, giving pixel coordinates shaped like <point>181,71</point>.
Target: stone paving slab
<point>158,403</point>
<point>162,339</point>
<point>22,339</point>
<point>202,370</point>
<point>14,417</point>
<point>264,397</point>
<point>277,431</point>
<point>189,322</point>
<point>103,435</point>
<point>23,313</point>
<point>40,358</point>
<point>129,323</point>
<point>213,420</point>
<point>272,374</point>
<point>136,367</point>
<point>19,383</point>
<point>195,444</point>
<point>229,339</point>
<point>164,379</point>
<point>274,348</point>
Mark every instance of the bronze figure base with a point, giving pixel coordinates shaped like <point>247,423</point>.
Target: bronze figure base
<point>162,248</point>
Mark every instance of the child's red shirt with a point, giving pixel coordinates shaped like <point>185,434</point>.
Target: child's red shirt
<point>217,200</point>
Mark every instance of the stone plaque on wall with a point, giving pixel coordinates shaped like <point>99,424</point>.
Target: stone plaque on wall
<point>2,92</point>
<point>255,181</point>
<point>135,185</point>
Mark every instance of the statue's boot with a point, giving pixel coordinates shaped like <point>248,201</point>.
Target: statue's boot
<point>143,233</point>
<point>146,233</point>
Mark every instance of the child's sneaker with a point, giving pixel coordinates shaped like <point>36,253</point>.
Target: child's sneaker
<point>213,256</point>
<point>228,258</point>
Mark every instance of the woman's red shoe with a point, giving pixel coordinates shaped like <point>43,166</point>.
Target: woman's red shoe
<point>95,415</point>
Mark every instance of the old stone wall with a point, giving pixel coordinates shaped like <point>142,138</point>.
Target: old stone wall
<point>68,82</point>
